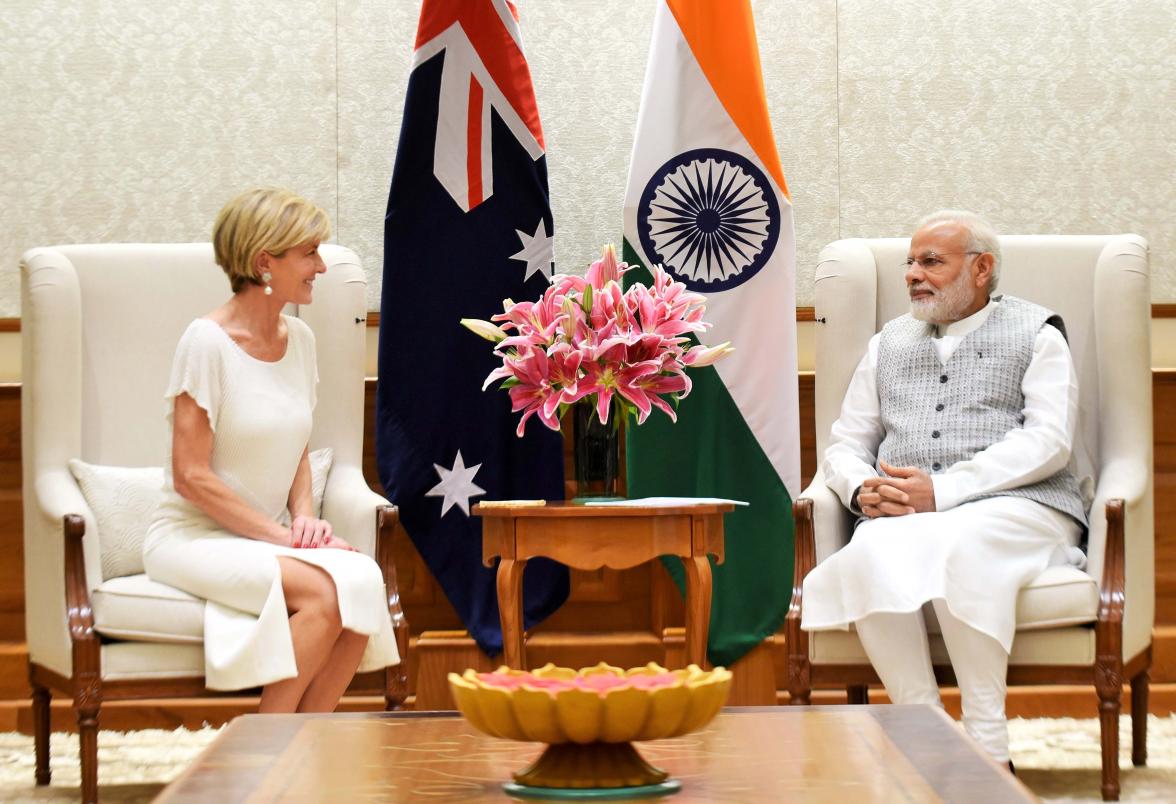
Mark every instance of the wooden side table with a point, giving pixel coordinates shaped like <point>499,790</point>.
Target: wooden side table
<point>589,537</point>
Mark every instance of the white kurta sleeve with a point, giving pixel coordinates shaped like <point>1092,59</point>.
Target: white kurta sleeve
<point>197,370</point>
<point>855,436</point>
<point>1036,450</point>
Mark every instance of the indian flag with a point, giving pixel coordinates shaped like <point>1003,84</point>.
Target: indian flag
<point>706,199</point>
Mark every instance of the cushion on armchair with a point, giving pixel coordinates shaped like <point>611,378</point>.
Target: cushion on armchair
<point>320,467</point>
<point>134,607</point>
<point>124,500</point>
<point>1060,596</point>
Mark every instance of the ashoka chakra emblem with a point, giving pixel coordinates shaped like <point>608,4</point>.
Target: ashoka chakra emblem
<point>710,217</point>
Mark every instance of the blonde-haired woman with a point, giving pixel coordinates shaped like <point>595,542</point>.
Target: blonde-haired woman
<point>291,606</point>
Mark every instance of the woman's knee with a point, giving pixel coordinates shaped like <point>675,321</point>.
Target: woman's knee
<point>309,589</point>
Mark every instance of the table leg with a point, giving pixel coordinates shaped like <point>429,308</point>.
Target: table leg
<point>698,604</point>
<point>510,611</point>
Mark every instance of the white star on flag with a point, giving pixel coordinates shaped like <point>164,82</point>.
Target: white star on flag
<point>538,251</point>
<point>456,486</point>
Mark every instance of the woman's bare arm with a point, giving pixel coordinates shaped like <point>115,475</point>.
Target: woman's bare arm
<point>301,501</point>
<point>196,482</point>
<point>306,529</point>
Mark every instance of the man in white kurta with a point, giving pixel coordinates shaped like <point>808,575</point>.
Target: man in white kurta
<point>952,445</point>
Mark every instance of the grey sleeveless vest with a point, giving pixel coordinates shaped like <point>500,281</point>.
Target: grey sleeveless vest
<point>937,414</point>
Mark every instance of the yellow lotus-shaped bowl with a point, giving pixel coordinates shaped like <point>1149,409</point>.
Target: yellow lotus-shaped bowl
<point>617,714</point>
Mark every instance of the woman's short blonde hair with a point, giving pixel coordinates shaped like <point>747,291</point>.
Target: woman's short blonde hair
<point>261,219</point>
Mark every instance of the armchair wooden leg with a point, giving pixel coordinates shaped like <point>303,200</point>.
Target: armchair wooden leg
<point>87,701</point>
<point>395,677</point>
<point>396,684</point>
<point>1139,689</point>
<point>41,699</point>
<point>857,694</point>
<point>1109,697</point>
<point>799,680</point>
<point>88,748</point>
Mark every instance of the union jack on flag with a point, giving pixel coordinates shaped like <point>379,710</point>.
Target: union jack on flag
<point>468,225</point>
<point>484,70</point>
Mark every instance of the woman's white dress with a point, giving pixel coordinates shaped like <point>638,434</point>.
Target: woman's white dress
<point>260,414</point>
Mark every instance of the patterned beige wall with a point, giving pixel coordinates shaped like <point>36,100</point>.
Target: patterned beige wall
<point>1045,116</point>
<point>136,120</point>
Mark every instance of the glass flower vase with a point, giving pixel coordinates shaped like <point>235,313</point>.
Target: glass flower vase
<point>596,451</point>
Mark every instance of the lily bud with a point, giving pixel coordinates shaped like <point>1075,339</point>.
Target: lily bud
<point>609,256</point>
<point>484,329</point>
<point>707,355</point>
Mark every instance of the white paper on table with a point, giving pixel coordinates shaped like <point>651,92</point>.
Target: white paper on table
<point>664,502</point>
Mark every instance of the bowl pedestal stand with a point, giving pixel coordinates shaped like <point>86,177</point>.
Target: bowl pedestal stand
<point>596,771</point>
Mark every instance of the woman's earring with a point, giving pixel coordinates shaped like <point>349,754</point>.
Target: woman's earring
<point>266,276</point>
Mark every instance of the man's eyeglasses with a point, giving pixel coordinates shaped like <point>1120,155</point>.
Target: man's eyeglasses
<point>930,261</point>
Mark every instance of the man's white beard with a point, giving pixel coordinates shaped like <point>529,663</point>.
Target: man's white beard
<point>947,304</point>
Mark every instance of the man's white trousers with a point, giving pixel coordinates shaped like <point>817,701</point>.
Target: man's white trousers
<point>897,647</point>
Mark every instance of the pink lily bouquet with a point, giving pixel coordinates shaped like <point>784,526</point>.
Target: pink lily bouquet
<point>587,339</point>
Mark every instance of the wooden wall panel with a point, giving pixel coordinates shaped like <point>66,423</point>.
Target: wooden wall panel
<point>11,518</point>
<point>1164,424</point>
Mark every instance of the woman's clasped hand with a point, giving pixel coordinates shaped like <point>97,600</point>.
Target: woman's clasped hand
<point>308,532</point>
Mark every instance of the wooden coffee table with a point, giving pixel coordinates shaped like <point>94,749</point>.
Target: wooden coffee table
<point>749,754</point>
<point>589,537</point>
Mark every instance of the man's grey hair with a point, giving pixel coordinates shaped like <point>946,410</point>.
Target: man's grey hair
<point>982,236</point>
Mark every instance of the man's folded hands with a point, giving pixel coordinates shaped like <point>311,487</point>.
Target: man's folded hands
<point>902,490</point>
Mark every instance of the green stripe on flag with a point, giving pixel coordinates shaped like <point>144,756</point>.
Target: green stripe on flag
<point>711,452</point>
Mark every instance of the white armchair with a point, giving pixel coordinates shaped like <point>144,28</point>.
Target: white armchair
<point>100,327</point>
<point>1073,627</point>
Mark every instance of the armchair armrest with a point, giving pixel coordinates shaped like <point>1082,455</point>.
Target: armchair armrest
<point>822,527</point>
<point>1121,550</point>
<point>51,495</point>
<point>832,522</point>
<point>58,496</point>
<point>1108,628</point>
<point>85,645</point>
<point>1125,479</point>
<point>349,505</point>
<point>1110,606</point>
<point>796,641</point>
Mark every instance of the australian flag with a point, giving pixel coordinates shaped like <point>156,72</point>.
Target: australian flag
<point>468,225</point>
